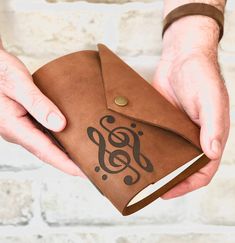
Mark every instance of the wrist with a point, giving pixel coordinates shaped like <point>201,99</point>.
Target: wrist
<point>169,5</point>
<point>190,34</point>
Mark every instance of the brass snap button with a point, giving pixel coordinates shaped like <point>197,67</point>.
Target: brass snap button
<point>121,101</point>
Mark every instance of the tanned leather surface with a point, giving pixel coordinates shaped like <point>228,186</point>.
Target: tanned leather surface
<point>124,149</point>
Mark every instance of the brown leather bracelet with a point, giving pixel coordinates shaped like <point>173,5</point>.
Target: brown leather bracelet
<point>194,9</point>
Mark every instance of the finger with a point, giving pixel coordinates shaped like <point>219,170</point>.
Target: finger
<point>20,87</point>
<point>24,133</point>
<point>197,180</point>
<point>214,122</point>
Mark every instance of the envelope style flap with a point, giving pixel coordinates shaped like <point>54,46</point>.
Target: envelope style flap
<point>145,103</point>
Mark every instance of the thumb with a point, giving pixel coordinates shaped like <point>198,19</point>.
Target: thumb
<point>43,110</point>
<point>37,104</point>
<point>17,84</point>
<point>214,119</point>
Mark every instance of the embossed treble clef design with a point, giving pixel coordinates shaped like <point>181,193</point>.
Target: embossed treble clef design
<point>123,138</point>
<point>119,159</point>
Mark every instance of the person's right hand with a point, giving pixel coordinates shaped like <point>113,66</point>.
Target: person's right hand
<point>19,97</point>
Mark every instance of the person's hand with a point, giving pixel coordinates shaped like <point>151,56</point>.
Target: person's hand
<point>19,97</point>
<point>188,75</point>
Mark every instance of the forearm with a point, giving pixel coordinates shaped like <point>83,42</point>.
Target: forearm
<point>190,33</point>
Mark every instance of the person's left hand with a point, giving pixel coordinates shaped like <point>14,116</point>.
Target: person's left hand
<point>188,75</point>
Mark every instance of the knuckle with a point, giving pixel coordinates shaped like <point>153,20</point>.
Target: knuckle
<point>7,138</point>
<point>40,151</point>
<point>206,181</point>
<point>39,155</point>
<point>3,74</point>
<point>5,131</point>
<point>3,124</point>
<point>190,185</point>
<point>25,142</point>
<point>36,100</point>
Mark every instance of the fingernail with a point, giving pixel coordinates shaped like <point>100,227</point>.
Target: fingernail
<point>216,147</point>
<point>54,120</point>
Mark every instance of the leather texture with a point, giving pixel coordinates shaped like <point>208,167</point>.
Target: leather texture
<point>121,149</point>
<point>195,9</point>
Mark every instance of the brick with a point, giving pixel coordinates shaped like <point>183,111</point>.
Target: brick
<point>54,238</point>
<point>176,238</point>
<point>229,153</point>
<point>229,30</point>
<point>34,63</point>
<point>76,201</point>
<point>15,158</point>
<point>72,27</point>
<point>227,63</point>
<point>117,235</point>
<point>140,32</point>
<point>76,26</point>
<point>217,199</point>
<point>41,29</point>
<point>144,65</point>
<point>15,202</point>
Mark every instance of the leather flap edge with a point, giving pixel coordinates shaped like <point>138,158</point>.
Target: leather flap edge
<point>145,103</point>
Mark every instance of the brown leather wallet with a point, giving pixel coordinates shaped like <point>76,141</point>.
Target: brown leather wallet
<point>121,132</point>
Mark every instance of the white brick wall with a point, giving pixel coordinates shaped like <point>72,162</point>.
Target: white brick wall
<point>41,205</point>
